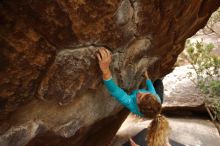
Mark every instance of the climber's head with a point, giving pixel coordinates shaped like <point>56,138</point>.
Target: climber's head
<point>158,130</point>
<point>148,104</point>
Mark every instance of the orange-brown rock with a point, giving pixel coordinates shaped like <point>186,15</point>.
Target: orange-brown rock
<point>51,86</point>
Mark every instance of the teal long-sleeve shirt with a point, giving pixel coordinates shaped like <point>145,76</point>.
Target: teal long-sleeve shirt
<point>129,100</point>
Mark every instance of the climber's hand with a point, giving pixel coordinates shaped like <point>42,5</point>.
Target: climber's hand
<point>104,56</point>
<point>146,74</point>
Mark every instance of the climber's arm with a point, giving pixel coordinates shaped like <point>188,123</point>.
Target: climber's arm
<point>104,57</point>
<point>149,83</point>
<point>150,87</point>
<point>118,93</point>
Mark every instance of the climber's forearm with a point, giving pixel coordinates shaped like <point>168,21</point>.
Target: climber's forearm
<point>147,78</point>
<point>149,83</point>
<point>106,74</point>
<point>146,75</point>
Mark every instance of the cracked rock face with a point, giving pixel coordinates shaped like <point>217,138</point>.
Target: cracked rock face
<point>51,91</point>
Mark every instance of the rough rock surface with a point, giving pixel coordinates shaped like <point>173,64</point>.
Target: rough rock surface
<point>179,88</point>
<point>210,37</point>
<point>50,83</point>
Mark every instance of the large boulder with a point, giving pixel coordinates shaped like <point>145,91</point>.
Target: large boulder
<point>181,89</point>
<point>182,96</point>
<point>51,91</point>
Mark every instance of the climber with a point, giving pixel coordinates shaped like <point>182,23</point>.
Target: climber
<point>132,101</point>
<point>142,102</point>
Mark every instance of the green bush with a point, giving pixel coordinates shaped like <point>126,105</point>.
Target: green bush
<point>207,68</point>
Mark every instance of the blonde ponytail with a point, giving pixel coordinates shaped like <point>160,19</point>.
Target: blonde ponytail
<point>158,131</point>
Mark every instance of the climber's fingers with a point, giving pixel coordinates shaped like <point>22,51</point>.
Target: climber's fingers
<point>103,53</point>
<point>99,57</point>
<point>106,52</point>
<point>109,53</point>
<point>100,53</point>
